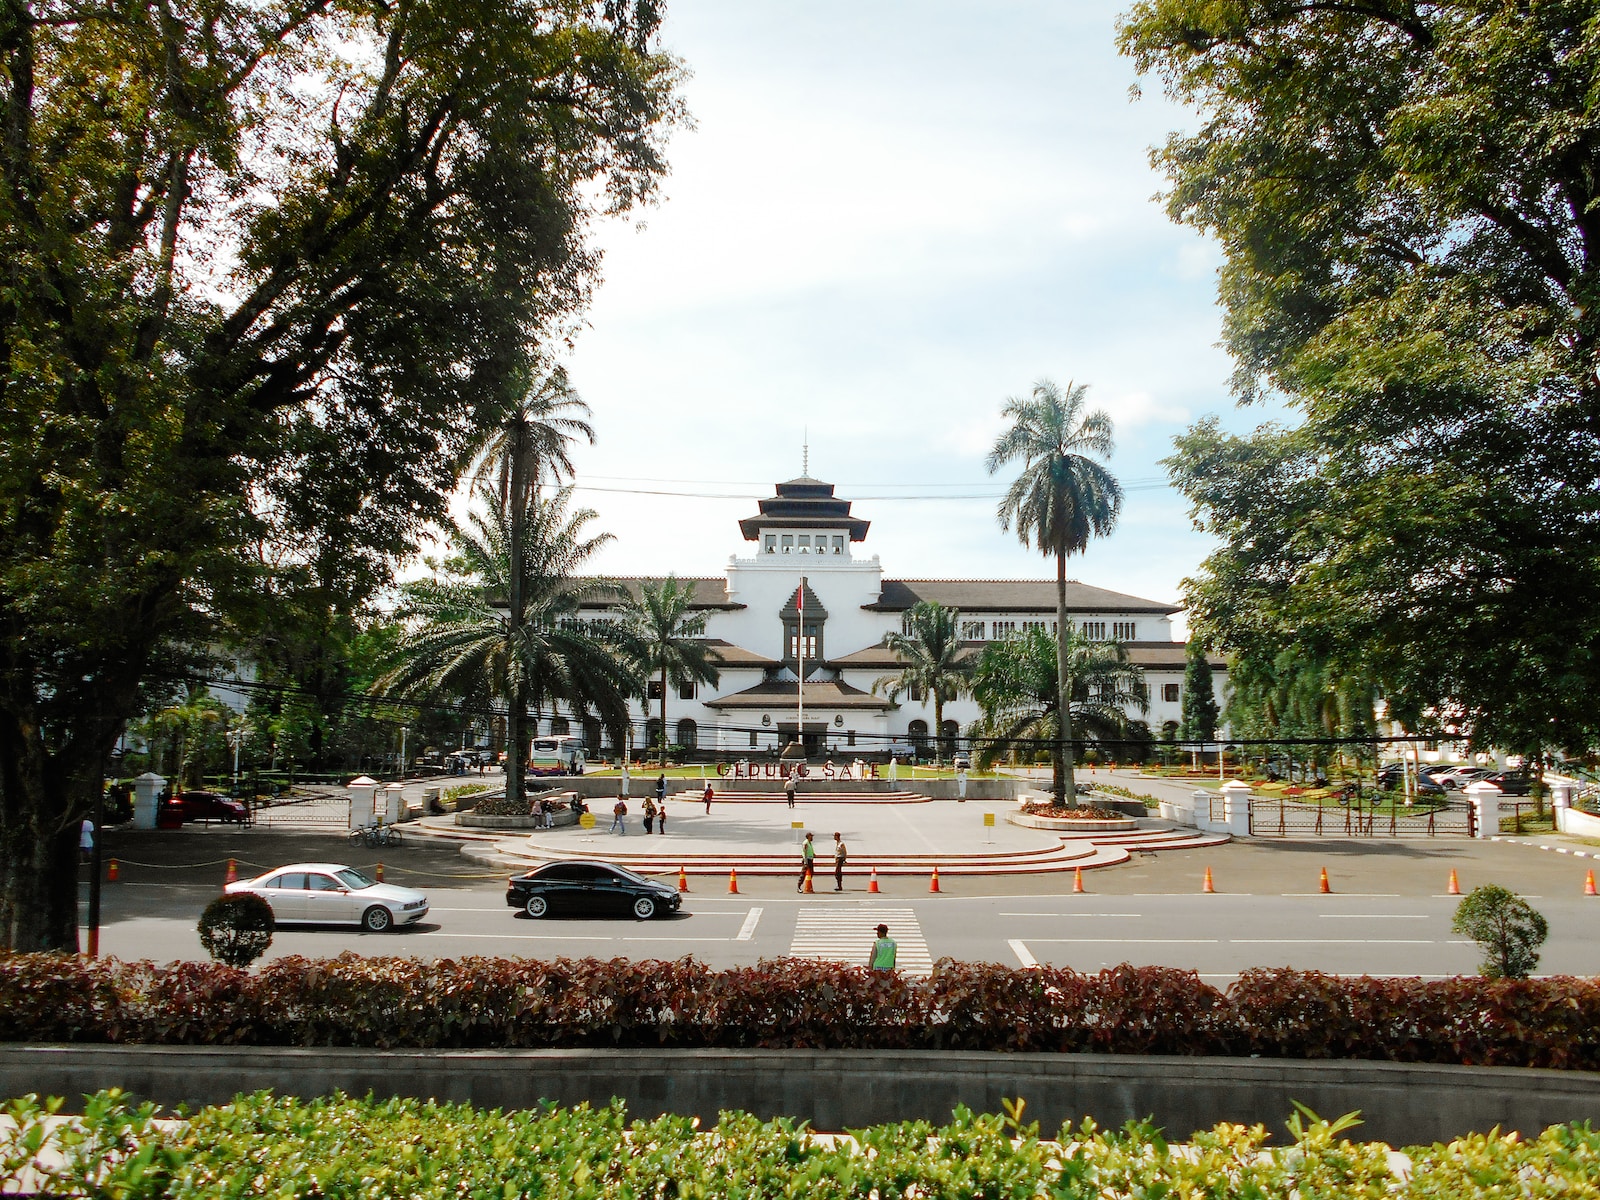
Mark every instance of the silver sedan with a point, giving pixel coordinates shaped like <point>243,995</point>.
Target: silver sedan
<point>330,894</point>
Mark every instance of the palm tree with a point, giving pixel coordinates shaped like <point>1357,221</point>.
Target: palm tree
<point>670,641</point>
<point>532,434</point>
<point>934,666</point>
<point>1061,500</point>
<point>1017,684</point>
<point>460,637</point>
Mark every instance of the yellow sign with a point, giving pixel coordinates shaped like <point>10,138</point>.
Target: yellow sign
<point>988,819</point>
<point>586,820</point>
<point>797,824</point>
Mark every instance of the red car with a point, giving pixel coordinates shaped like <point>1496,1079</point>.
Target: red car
<point>208,806</point>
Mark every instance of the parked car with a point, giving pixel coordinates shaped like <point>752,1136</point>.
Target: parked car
<point>1511,783</point>
<point>330,894</point>
<point>583,888</point>
<point>961,763</point>
<point>1459,778</point>
<point>1392,778</point>
<point>209,806</point>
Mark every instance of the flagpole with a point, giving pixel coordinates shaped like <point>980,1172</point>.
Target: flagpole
<point>800,659</point>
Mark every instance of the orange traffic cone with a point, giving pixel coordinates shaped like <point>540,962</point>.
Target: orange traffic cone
<point>379,872</point>
<point>808,889</point>
<point>1325,888</point>
<point>1455,885</point>
<point>1588,885</point>
<point>683,880</point>
<point>872,885</point>
<point>1208,888</point>
<point>1077,879</point>
<point>933,884</point>
<point>233,872</point>
<point>111,871</point>
<point>733,881</point>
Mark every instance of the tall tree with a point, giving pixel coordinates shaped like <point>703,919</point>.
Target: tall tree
<point>530,436</point>
<point>670,640</point>
<point>1017,684</point>
<point>1061,500</point>
<point>1406,199</point>
<point>460,640</point>
<point>264,263</point>
<point>1200,710</point>
<point>935,664</point>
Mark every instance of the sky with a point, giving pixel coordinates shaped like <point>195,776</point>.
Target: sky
<point>888,218</point>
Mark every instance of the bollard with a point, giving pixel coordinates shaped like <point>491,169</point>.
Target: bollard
<point>379,873</point>
<point>232,875</point>
<point>111,871</point>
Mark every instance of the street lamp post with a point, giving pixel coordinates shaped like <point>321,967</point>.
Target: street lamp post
<point>402,752</point>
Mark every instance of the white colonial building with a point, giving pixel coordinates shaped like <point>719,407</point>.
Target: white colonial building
<point>803,577</point>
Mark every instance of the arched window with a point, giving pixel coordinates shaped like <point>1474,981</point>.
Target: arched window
<point>917,733</point>
<point>652,733</point>
<point>688,734</point>
<point>591,735</point>
<point>948,733</point>
<point>560,726</point>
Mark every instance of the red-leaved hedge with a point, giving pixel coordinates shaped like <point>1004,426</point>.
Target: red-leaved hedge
<point>496,1002</point>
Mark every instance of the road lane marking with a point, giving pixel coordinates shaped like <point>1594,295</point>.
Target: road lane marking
<point>1066,915</point>
<point>1342,942</point>
<point>1022,954</point>
<point>748,929</point>
<point>847,936</point>
<point>561,937</point>
<point>1130,941</point>
<point>1376,916</point>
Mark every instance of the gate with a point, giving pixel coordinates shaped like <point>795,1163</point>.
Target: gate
<point>1285,816</point>
<point>322,813</point>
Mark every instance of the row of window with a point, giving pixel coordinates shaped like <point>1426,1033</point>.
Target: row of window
<point>802,543</point>
<point>995,631</point>
<point>686,691</point>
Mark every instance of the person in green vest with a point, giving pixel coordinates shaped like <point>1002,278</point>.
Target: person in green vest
<point>883,951</point>
<point>808,855</point>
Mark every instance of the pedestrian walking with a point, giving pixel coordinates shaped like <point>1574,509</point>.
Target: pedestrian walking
<point>883,951</point>
<point>86,840</point>
<point>619,817</point>
<point>788,791</point>
<point>661,819</point>
<point>661,788</point>
<point>839,855</point>
<point>808,860</point>
<point>624,774</point>
<point>649,815</point>
<point>708,799</point>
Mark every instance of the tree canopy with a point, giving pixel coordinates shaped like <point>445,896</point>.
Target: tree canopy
<point>1407,198</point>
<point>265,268</point>
<point>669,641</point>
<point>934,664</point>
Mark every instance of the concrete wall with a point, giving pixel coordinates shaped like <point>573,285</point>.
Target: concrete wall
<point>1579,824</point>
<point>1400,1103</point>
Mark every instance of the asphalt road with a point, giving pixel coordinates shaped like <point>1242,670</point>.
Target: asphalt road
<point>1387,913</point>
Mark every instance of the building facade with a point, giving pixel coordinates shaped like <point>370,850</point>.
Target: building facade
<point>804,599</point>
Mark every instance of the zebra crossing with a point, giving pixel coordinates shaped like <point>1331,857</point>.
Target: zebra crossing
<point>840,934</point>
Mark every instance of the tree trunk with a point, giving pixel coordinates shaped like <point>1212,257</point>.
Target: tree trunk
<point>1066,787</point>
<point>663,714</point>
<point>517,758</point>
<point>938,730</point>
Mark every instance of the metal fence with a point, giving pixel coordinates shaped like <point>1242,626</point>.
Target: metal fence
<point>320,812</point>
<point>1284,816</point>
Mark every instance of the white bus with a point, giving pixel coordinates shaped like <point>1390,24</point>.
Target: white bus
<point>562,755</point>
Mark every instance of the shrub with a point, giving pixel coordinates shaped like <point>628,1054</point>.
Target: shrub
<point>430,1150</point>
<point>1507,929</point>
<point>237,929</point>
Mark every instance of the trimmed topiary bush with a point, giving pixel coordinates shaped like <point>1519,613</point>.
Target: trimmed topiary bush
<point>236,930</point>
<point>1506,926</point>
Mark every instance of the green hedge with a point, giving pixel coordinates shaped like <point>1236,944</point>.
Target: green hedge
<point>492,1002</point>
<point>339,1147</point>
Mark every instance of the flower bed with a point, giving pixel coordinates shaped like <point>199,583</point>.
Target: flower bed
<point>1090,819</point>
<point>510,1003</point>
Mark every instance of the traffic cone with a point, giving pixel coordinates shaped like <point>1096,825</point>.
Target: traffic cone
<point>808,889</point>
<point>1208,889</point>
<point>1455,886</point>
<point>872,885</point>
<point>379,872</point>
<point>683,879</point>
<point>233,872</point>
<point>111,871</point>
<point>1324,888</point>
<point>733,881</point>
<point>1077,879</point>
<point>1588,885</point>
<point>933,884</point>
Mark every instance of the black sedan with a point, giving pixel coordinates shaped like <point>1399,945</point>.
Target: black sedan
<point>590,889</point>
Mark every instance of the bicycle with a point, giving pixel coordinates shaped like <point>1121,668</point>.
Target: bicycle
<point>373,836</point>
